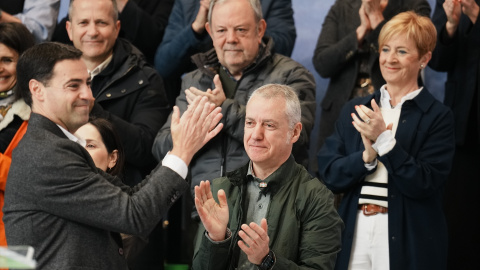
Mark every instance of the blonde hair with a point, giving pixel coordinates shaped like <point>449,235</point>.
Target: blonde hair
<point>417,28</point>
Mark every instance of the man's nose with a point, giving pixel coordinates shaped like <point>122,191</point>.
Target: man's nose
<point>86,93</point>
<point>232,37</point>
<point>92,29</point>
<point>257,132</point>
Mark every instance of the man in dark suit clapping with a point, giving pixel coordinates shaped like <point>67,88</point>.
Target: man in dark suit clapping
<point>56,200</point>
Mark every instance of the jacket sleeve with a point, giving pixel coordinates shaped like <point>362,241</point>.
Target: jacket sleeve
<point>145,28</point>
<point>340,161</point>
<point>79,193</point>
<point>334,48</point>
<point>150,113</point>
<point>211,256</point>
<point>444,54</point>
<point>40,17</point>
<point>163,141</point>
<point>179,40</point>
<point>280,25</point>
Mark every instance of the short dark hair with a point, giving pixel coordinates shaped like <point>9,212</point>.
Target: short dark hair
<point>112,142</point>
<point>38,63</point>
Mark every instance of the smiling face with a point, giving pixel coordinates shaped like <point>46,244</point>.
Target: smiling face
<point>268,138</point>
<point>8,68</point>
<point>96,147</point>
<point>235,34</point>
<point>93,30</point>
<point>400,62</point>
<point>67,97</point>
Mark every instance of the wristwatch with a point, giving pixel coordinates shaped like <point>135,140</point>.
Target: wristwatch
<point>268,262</point>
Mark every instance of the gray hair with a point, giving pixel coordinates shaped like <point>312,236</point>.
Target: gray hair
<point>114,13</point>
<point>255,4</point>
<point>292,103</point>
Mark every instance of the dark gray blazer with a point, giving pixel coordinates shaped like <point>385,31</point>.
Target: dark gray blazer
<point>57,201</point>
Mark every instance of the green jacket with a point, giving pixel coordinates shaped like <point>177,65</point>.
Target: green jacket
<point>303,225</point>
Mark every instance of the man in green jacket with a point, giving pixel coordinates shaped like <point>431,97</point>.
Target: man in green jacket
<point>270,212</point>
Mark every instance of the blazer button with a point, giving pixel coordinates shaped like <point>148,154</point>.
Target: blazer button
<point>120,251</point>
<point>108,95</point>
<point>140,82</point>
<point>123,91</point>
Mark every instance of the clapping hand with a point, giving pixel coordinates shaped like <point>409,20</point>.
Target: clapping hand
<point>370,124</point>
<point>254,241</point>
<point>213,215</point>
<point>198,125</point>
<point>215,96</point>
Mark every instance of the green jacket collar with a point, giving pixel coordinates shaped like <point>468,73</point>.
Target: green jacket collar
<point>275,181</point>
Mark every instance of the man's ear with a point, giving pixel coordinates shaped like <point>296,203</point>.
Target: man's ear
<point>207,27</point>
<point>262,26</point>
<point>37,89</point>
<point>68,26</point>
<point>117,28</point>
<point>297,130</point>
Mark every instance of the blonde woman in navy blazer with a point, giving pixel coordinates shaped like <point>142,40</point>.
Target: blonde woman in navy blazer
<point>409,156</point>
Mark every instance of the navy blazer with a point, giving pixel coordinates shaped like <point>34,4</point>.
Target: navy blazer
<point>417,166</point>
<point>58,202</point>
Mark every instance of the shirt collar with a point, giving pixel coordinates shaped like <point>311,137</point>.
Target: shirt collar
<point>100,67</point>
<point>385,97</point>
<point>277,179</point>
<point>72,137</point>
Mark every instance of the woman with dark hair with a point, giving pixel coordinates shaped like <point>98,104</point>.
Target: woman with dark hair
<point>14,113</point>
<point>105,148</point>
<point>104,145</point>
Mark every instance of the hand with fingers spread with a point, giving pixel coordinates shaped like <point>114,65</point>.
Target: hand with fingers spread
<point>213,215</point>
<point>195,128</point>
<point>216,96</point>
<point>255,241</point>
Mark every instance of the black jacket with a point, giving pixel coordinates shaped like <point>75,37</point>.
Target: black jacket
<point>130,94</point>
